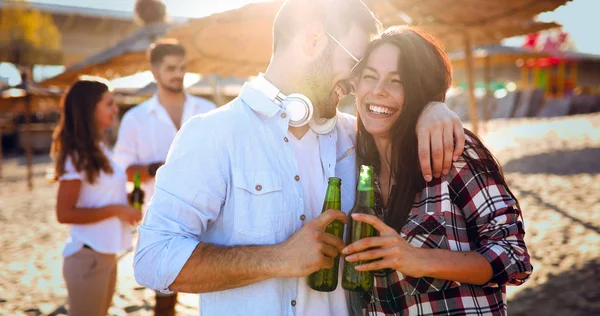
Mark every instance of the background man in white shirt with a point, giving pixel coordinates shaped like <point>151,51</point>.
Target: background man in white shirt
<point>236,213</point>
<point>147,130</point>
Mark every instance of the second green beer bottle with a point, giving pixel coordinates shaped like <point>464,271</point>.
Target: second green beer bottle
<point>137,195</point>
<point>326,280</point>
<point>353,280</point>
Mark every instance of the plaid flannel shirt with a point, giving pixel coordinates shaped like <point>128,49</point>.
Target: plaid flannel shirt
<point>467,210</point>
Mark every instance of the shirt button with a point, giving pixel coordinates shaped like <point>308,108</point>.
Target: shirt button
<point>283,115</point>
<point>297,178</point>
<point>293,302</point>
<point>285,139</point>
<point>258,187</point>
<point>302,217</point>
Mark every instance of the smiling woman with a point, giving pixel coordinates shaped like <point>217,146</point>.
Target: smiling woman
<point>445,247</point>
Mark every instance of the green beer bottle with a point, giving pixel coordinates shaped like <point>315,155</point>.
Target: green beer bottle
<point>352,280</point>
<point>137,195</point>
<point>326,280</point>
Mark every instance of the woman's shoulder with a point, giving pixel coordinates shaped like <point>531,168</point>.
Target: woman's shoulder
<point>476,154</point>
<point>476,169</point>
<point>70,170</point>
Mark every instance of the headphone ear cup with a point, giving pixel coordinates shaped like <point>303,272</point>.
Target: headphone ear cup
<point>323,126</point>
<point>299,109</point>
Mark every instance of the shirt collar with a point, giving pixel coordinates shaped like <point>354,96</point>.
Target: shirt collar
<point>261,95</point>
<point>154,104</point>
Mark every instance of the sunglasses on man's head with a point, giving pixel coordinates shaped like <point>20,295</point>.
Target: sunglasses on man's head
<point>344,48</point>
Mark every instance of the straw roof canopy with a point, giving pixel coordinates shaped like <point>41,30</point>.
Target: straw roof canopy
<point>509,55</point>
<point>13,100</point>
<point>233,43</point>
<point>127,57</point>
<point>238,42</point>
<point>485,21</point>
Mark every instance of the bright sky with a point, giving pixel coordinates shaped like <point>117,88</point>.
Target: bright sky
<point>186,8</point>
<point>578,17</point>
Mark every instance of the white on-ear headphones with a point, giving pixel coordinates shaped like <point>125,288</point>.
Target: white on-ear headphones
<point>298,106</point>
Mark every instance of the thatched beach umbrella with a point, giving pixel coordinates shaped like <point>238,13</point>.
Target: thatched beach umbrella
<point>26,100</point>
<point>128,56</point>
<point>28,37</point>
<point>238,42</point>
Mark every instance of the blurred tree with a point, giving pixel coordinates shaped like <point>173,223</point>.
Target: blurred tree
<point>28,37</point>
<point>150,11</point>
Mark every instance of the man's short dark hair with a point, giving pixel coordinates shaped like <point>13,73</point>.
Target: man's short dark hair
<point>164,47</point>
<point>337,16</point>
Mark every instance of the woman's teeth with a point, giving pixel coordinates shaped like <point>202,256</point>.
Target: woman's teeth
<point>380,110</point>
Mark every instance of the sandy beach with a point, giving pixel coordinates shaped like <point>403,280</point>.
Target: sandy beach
<point>552,165</point>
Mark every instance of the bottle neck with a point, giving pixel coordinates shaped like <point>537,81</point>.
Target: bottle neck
<point>332,198</point>
<point>137,181</point>
<point>332,194</point>
<point>365,198</point>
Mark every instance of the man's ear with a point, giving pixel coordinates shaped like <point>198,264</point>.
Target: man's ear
<point>314,39</point>
<point>154,70</point>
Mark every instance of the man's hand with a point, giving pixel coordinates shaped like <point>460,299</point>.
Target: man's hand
<point>146,172</point>
<point>437,130</point>
<point>311,248</point>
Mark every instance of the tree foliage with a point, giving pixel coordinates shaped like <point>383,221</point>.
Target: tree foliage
<point>28,35</point>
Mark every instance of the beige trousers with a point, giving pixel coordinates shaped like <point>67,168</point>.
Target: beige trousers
<point>91,280</point>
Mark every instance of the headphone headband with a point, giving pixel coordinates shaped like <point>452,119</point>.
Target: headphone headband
<point>299,107</point>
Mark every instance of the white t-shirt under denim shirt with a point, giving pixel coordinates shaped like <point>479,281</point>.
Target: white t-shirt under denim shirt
<point>314,185</point>
<point>111,235</point>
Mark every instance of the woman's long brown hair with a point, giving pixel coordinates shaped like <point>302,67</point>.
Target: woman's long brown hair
<point>426,75</point>
<point>77,135</point>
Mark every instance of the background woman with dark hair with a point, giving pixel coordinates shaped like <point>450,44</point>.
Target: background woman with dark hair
<point>91,197</point>
<point>447,247</point>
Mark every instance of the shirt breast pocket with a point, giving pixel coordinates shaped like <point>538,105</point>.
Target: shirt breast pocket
<point>259,202</point>
<point>426,231</point>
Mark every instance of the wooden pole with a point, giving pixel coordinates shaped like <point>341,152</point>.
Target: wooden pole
<point>524,77</point>
<point>560,79</point>
<point>573,74</point>
<point>1,156</point>
<point>26,76</point>
<point>28,140</point>
<point>549,81</point>
<point>218,90</point>
<point>487,74</point>
<point>473,115</point>
<point>536,76</point>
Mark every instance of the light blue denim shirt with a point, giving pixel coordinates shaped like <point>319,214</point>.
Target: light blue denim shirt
<point>231,179</point>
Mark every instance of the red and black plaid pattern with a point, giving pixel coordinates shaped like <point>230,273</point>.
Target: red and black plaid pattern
<point>467,210</point>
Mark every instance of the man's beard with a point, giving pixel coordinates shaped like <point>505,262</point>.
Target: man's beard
<point>171,87</point>
<point>319,79</point>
